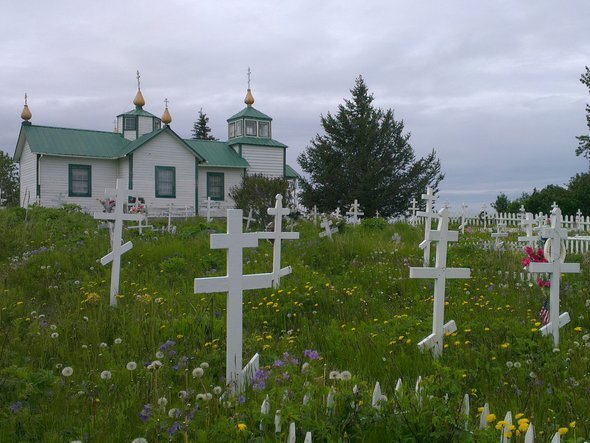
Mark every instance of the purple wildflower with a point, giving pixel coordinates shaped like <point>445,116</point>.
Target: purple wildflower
<point>278,363</point>
<point>311,354</point>
<point>16,407</point>
<point>174,428</point>
<point>144,415</point>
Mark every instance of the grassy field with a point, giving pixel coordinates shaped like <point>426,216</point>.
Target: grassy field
<point>73,368</point>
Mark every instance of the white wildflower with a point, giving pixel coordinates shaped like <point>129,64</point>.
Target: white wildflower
<point>118,341</point>
<point>106,375</point>
<point>204,365</point>
<point>345,375</point>
<point>67,371</point>
<point>131,366</point>
<point>198,372</point>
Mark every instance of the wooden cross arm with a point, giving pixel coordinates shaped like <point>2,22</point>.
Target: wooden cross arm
<point>225,241</point>
<point>279,235</point>
<point>450,235</point>
<point>257,281</point>
<point>430,214</point>
<point>282,211</point>
<point>440,272</point>
<point>285,271</point>
<point>499,234</point>
<point>207,285</point>
<point>564,268</point>
<point>424,243</point>
<point>527,238</point>
<point>122,250</point>
<point>430,341</point>
<point>564,319</point>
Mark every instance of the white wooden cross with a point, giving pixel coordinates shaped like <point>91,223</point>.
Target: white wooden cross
<point>414,208</point>
<point>556,256</point>
<point>484,214</point>
<point>337,213</point>
<point>499,234</point>
<point>440,273</point>
<point>248,219</point>
<point>327,228</point>
<point>428,215</point>
<point>541,221</point>
<point>234,283</point>
<point>208,209</point>
<point>314,214</point>
<point>170,228</point>
<point>579,219</point>
<point>527,222</point>
<point>277,235</point>
<point>118,216</point>
<point>355,212</point>
<point>463,214</point>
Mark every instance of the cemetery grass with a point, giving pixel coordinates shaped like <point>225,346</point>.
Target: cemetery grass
<point>347,316</point>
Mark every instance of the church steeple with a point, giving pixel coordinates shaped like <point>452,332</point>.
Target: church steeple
<point>26,114</point>
<point>138,101</point>
<point>249,100</point>
<point>166,117</point>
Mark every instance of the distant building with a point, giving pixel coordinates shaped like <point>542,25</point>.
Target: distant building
<point>65,165</point>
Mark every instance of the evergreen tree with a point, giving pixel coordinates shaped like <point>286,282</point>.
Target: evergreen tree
<point>9,185</point>
<point>364,154</point>
<point>584,140</point>
<point>200,129</point>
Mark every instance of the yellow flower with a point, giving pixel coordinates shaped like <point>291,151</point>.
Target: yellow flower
<point>505,345</point>
<point>242,427</point>
<point>522,427</point>
<point>519,415</point>
<point>578,329</point>
<point>490,418</point>
<point>508,434</point>
<point>572,424</point>
<point>562,431</point>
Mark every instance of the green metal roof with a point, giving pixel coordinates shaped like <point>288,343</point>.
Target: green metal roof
<point>249,112</point>
<point>73,142</point>
<point>217,154</point>
<point>256,141</point>
<point>290,172</point>
<point>138,111</point>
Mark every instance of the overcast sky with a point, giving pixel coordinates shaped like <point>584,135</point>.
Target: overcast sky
<point>492,86</point>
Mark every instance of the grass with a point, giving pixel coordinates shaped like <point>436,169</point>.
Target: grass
<point>350,300</point>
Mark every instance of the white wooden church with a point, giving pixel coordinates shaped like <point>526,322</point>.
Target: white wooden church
<point>66,165</point>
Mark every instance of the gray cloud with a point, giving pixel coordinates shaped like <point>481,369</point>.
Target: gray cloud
<point>492,86</point>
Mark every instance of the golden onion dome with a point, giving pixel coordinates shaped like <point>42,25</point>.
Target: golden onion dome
<point>249,100</point>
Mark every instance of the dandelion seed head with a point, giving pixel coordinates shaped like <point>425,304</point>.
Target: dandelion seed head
<point>67,371</point>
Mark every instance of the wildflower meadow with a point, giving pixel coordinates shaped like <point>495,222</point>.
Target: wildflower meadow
<point>151,369</point>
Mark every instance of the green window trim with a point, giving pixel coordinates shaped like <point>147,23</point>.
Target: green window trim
<point>160,183</point>
<point>72,180</point>
<point>216,190</point>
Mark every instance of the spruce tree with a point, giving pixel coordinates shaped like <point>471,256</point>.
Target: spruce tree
<point>200,129</point>
<point>9,184</point>
<point>364,154</point>
<point>584,140</point>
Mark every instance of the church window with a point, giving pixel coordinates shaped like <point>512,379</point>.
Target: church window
<point>232,130</point>
<point>215,185</point>
<point>80,180</point>
<point>264,129</point>
<point>157,124</point>
<point>129,123</point>
<point>251,127</point>
<point>165,182</point>
<point>239,128</point>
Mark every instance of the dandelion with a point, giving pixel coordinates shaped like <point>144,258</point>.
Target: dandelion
<point>103,345</point>
<point>509,364</point>
<point>106,375</point>
<point>139,440</point>
<point>305,367</point>
<point>241,427</point>
<point>517,364</point>
<point>53,327</point>
<point>159,354</point>
<point>198,372</point>
<point>174,413</point>
<point>67,371</point>
<point>334,375</point>
<point>345,375</point>
<point>131,366</point>
<point>118,341</point>
<point>490,418</point>
<point>217,390</point>
<point>208,396</point>
<point>563,431</point>
<point>156,364</point>
<point>204,365</point>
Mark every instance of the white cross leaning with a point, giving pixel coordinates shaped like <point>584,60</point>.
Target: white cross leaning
<point>499,234</point>
<point>428,215</point>
<point>328,230</point>
<point>121,194</point>
<point>463,214</point>
<point>440,273</point>
<point>277,235</point>
<point>234,283</point>
<point>248,219</point>
<point>314,214</point>
<point>208,209</point>
<point>355,212</point>
<point>527,222</point>
<point>337,213</point>
<point>414,208</point>
<point>555,236</point>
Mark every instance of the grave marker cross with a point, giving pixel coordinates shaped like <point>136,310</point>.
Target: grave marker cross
<point>499,234</point>
<point>355,212</point>
<point>327,228</point>
<point>248,219</point>
<point>463,214</point>
<point>234,283</point>
<point>555,236</point>
<point>440,273</point>
<point>527,222</point>
<point>428,215</point>
<point>277,235</point>
<point>414,209</point>
<point>118,216</point>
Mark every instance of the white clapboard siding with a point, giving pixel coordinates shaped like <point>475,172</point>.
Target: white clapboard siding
<point>123,171</point>
<point>54,173</point>
<point>28,175</point>
<point>231,177</point>
<point>164,150</point>
<point>146,125</point>
<point>264,160</point>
